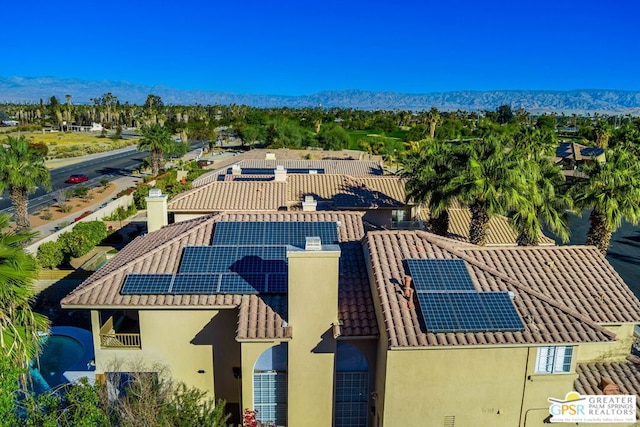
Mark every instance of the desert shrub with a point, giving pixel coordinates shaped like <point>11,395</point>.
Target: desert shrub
<point>104,182</point>
<point>46,215</point>
<point>65,207</point>
<point>50,254</point>
<point>81,191</point>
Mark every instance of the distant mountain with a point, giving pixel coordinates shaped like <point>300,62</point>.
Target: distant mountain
<point>32,89</point>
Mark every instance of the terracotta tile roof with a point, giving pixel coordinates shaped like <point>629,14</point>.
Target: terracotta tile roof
<point>160,252</point>
<point>547,318</point>
<point>344,191</point>
<point>234,195</point>
<point>338,166</point>
<point>499,233</point>
<point>263,318</point>
<point>626,375</point>
<point>252,192</point>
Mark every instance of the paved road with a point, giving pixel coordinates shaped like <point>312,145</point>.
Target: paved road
<point>110,165</point>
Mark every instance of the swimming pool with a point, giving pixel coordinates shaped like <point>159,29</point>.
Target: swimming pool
<point>66,356</point>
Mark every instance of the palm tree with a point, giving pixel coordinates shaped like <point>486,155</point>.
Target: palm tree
<point>434,119</point>
<point>488,182</point>
<point>428,171</point>
<point>158,141</point>
<point>19,326</point>
<point>22,169</point>
<point>612,191</point>
<point>603,132</point>
<point>543,202</point>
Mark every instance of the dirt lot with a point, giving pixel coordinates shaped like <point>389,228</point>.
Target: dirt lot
<point>78,206</point>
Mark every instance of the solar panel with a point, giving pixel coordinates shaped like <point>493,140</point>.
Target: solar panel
<point>273,233</point>
<point>440,275</point>
<point>195,259</point>
<point>196,283</point>
<point>245,284</point>
<point>239,259</point>
<point>277,284</point>
<point>146,284</point>
<point>469,312</point>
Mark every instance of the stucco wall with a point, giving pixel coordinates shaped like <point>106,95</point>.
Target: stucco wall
<point>609,352</point>
<point>185,341</point>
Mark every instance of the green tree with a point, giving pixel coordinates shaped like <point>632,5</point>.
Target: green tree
<point>22,170</point>
<point>19,325</point>
<point>428,172</point>
<point>546,122</point>
<point>612,192</point>
<point>434,119</point>
<point>50,254</point>
<point>158,141</point>
<point>603,131</point>
<point>488,182</point>
<point>333,138</point>
<point>543,202</point>
<point>504,114</point>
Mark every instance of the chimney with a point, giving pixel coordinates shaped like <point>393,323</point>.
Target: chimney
<point>280,174</point>
<point>236,169</point>
<point>157,216</point>
<point>309,204</point>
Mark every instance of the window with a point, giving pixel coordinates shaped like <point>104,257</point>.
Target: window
<point>351,398</point>
<point>553,360</point>
<point>270,386</point>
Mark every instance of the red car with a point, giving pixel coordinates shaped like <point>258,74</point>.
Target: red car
<point>76,178</point>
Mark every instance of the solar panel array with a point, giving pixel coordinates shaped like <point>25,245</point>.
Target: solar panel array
<point>273,233</point>
<point>244,258</point>
<point>450,303</point>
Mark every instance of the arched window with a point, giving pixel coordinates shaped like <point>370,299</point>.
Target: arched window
<point>352,387</point>
<point>270,385</point>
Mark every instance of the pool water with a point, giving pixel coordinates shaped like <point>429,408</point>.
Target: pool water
<point>59,354</point>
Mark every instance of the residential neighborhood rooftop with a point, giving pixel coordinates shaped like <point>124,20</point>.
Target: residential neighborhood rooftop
<point>562,294</point>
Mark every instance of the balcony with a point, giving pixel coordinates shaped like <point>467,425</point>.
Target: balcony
<point>120,330</point>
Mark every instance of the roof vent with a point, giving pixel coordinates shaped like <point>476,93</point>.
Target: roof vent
<point>270,156</point>
<point>155,192</point>
<point>236,169</point>
<point>313,172</point>
<point>512,295</point>
<point>313,243</point>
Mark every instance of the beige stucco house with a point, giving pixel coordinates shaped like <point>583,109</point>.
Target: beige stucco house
<point>320,316</point>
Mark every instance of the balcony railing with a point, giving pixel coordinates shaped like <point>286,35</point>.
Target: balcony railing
<point>120,340</point>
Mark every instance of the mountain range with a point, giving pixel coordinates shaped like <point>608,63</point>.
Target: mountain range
<point>579,101</point>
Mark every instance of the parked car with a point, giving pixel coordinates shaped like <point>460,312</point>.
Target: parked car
<point>76,178</point>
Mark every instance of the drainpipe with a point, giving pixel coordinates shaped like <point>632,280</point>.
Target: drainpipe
<point>524,387</point>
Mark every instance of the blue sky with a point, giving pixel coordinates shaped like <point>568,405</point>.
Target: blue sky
<point>302,47</point>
